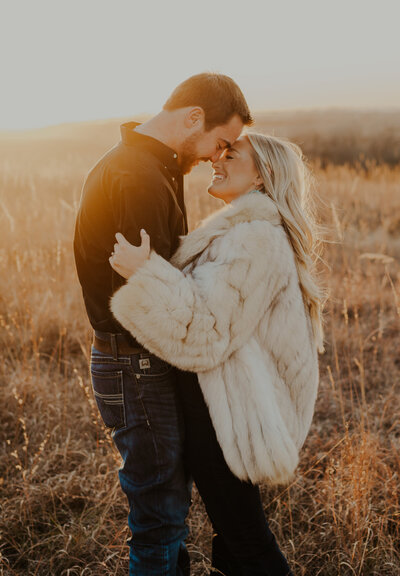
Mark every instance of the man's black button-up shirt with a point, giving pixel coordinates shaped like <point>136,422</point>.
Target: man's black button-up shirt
<point>137,184</point>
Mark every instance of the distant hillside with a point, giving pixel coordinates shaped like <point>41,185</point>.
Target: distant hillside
<point>339,136</point>
<point>331,135</point>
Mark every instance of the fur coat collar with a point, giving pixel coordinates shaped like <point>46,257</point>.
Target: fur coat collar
<point>247,208</point>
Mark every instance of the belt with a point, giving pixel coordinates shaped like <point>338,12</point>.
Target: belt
<point>115,344</point>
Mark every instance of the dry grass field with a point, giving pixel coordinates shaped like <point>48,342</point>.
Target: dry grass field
<point>62,511</point>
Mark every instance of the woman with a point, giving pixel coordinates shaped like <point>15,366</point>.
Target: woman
<point>239,309</point>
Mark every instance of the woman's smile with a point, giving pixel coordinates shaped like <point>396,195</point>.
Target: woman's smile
<point>234,173</point>
<point>218,177</point>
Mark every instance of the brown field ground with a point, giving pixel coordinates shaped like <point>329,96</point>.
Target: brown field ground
<point>62,511</point>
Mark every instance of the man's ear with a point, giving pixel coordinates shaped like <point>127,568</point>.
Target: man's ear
<point>194,118</point>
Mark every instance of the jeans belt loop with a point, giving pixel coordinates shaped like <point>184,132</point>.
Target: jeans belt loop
<point>114,346</point>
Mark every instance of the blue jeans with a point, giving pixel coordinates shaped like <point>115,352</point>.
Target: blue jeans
<point>137,398</point>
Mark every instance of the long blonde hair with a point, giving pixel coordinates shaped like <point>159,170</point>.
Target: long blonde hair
<point>286,180</point>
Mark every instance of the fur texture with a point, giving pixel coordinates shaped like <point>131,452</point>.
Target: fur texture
<point>229,307</point>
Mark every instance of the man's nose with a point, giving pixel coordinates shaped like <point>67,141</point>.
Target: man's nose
<point>216,156</point>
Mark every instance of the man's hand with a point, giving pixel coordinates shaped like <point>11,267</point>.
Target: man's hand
<point>126,258</point>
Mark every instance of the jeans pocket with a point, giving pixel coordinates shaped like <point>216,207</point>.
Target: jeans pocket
<point>150,368</point>
<point>108,388</point>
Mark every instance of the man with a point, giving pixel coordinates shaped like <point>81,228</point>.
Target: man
<point>139,185</point>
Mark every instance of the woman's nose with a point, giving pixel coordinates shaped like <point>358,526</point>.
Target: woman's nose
<point>216,162</point>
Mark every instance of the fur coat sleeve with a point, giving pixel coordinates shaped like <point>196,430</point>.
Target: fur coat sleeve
<point>196,318</point>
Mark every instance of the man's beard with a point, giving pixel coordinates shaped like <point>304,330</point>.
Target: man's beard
<point>188,156</point>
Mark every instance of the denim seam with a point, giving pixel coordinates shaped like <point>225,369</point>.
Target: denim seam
<point>123,404</point>
<point>153,377</point>
<point>101,360</point>
<point>148,423</point>
<point>165,559</point>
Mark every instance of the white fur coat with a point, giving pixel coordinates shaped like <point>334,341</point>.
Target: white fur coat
<point>229,307</point>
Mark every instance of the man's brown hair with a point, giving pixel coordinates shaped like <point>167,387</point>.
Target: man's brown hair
<point>218,95</point>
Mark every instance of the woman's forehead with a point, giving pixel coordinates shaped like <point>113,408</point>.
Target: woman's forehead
<point>241,145</point>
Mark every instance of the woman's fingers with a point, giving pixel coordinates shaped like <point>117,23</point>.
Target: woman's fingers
<point>122,241</point>
<point>121,238</point>
<point>127,258</point>
<point>145,240</point>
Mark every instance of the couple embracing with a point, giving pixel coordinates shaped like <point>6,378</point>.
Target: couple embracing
<point>205,355</point>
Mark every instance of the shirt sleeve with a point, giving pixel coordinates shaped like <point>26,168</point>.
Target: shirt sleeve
<point>143,202</point>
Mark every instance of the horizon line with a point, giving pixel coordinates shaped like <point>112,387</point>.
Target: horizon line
<point>348,108</point>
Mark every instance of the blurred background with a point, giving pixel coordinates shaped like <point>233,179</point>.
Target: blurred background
<point>323,74</point>
<point>77,61</point>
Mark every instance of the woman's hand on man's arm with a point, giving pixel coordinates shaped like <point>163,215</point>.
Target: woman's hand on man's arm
<point>127,258</point>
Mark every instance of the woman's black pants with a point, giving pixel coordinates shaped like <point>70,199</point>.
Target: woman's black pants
<point>243,544</point>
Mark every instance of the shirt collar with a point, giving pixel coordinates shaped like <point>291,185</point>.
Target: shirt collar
<point>163,152</point>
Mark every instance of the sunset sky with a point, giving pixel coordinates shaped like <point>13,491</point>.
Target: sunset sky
<point>75,60</point>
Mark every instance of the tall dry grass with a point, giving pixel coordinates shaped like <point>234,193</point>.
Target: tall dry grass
<point>62,511</point>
